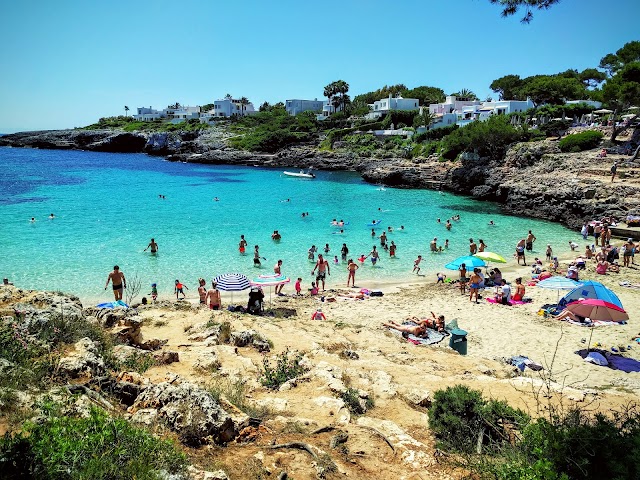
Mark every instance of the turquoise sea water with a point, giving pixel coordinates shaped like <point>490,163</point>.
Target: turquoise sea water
<point>107,209</point>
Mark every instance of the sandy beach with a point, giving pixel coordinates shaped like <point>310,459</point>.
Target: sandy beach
<point>398,375</point>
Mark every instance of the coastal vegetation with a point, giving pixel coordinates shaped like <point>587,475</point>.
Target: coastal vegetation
<point>581,141</point>
<point>497,441</point>
<point>100,446</point>
<point>130,124</point>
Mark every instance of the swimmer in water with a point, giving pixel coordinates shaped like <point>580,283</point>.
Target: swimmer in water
<point>491,223</point>
<point>216,199</point>
<point>438,221</point>
<point>373,232</point>
<point>401,227</point>
<point>242,245</point>
<point>52,216</point>
<point>33,219</point>
<point>153,246</point>
<point>390,229</point>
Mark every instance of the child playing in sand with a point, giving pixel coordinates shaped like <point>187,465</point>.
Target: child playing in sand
<point>416,268</point>
<point>154,292</point>
<point>318,315</point>
<point>441,277</point>
<point>298,286</point>
<point>313,289</point>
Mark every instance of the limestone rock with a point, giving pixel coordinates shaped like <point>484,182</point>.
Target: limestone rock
<point>83,361</point>
<point>418,397</point>
<point>167,357</point>
<point>250,337</point>
<point>207,361</point>
<point>190,411</point>
<point>145,416</point>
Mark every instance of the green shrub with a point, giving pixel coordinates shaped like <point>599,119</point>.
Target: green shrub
<point>459,416</point>
<point>83,448</point>
<point>435,133</point>
<point>287,367</point>
<point>554,128</point>
<point>579,142</point>
<point>353,402</point>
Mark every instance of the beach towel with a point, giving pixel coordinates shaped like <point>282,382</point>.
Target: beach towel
<point>615,362</point>
<point>595,323</point>
<point>511,303</point>
<point>522,362</point>
<point>117,304</point>
<point>432,336</point>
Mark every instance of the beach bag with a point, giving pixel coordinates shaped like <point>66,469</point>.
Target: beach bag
<point>376,293</point>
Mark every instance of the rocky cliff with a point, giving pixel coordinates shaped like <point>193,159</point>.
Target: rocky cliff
<point>534,179</point>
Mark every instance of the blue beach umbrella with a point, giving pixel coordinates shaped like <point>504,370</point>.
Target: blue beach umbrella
<point>591,289</point>
<point>469,262</point>
<point>558,283</point>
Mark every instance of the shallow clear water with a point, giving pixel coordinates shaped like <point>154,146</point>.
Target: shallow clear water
<point>107,209</point>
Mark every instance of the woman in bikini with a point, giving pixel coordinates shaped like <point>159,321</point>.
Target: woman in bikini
<point>520,289</point>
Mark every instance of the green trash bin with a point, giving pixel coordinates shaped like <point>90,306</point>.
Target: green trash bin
<point>458,341</point>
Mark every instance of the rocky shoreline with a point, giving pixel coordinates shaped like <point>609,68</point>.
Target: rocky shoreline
<point>534,179</point>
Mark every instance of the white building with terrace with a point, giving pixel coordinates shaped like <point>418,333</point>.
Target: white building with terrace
<point>380,108</point>
<point>228,107</point>
<point>148,114</point>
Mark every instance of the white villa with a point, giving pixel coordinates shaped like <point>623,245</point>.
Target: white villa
<point>462,112</point>
<point>227,107</point>
<point>176,115</point>
<point>380,108</point>
<point>148,114</point>
<point>294,107</point>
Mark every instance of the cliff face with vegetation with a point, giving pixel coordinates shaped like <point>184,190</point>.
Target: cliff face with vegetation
<point>533,178</point>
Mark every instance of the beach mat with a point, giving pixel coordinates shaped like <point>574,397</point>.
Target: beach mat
<point>511,303</point>
<point>433,336</point>
<point>616,362</point>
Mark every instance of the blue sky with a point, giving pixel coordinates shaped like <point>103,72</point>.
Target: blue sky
<point>66,63</point>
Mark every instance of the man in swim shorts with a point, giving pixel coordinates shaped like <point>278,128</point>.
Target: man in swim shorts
<point>153,245</point>
<point>432,245</point>
<point>118,281</point>
<point>344,251</point>
<point>323,270</point>
<point>529,243</point>
<point>474,284</point>
<point>375,256</point>
<point>242,246</point>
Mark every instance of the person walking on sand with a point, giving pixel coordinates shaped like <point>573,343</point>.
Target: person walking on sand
<point>179,288</point>
<point>474,284</point>
<point>242,246</point>
<point>153,246</point>
<point>520,252</point>
<point>202,290</point>
<point>529,242</point>
<point>351,268</point>
<point>117,281</point>
<point>277,269</point>
<point>473,248</point>
<point>213,297</point>
<point>416,265</point>
<point>323,270</point>
<point>614,170</point>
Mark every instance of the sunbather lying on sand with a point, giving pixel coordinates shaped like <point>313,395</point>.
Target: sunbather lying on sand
<point>435,322</point>
<point>417,330</point>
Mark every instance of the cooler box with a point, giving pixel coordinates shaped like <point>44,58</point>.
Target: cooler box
<point>458,341</point>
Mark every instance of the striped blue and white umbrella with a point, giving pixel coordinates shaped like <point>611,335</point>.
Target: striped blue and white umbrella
<point>232,282</point>
<point>558,283</point>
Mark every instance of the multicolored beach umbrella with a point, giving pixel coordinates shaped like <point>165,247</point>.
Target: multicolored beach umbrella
<point>591,289</point>
<point>469,262</point>
<point>598,310</point>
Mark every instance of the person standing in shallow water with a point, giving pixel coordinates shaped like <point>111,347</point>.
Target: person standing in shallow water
<point>153,245</point>
<point>242,246</point>
<point>529,242</point>
<point>117,281</point>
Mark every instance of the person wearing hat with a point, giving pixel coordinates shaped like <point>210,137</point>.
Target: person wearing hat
<point>629,250</point>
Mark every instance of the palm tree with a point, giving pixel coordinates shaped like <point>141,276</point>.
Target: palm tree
<point>228,96</point>
<point>244,101</point>
<point>428,118</point>
<point>126,109</point>
<point>465,95</point>
<point>336,101</point>
<point>342,88</point>
<point>330,91</point>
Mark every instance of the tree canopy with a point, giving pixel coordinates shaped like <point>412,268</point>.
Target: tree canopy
<point>425,94</point>
<point>511,7</point>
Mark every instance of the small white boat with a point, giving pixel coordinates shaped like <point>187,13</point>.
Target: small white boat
<point>300,174</point>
